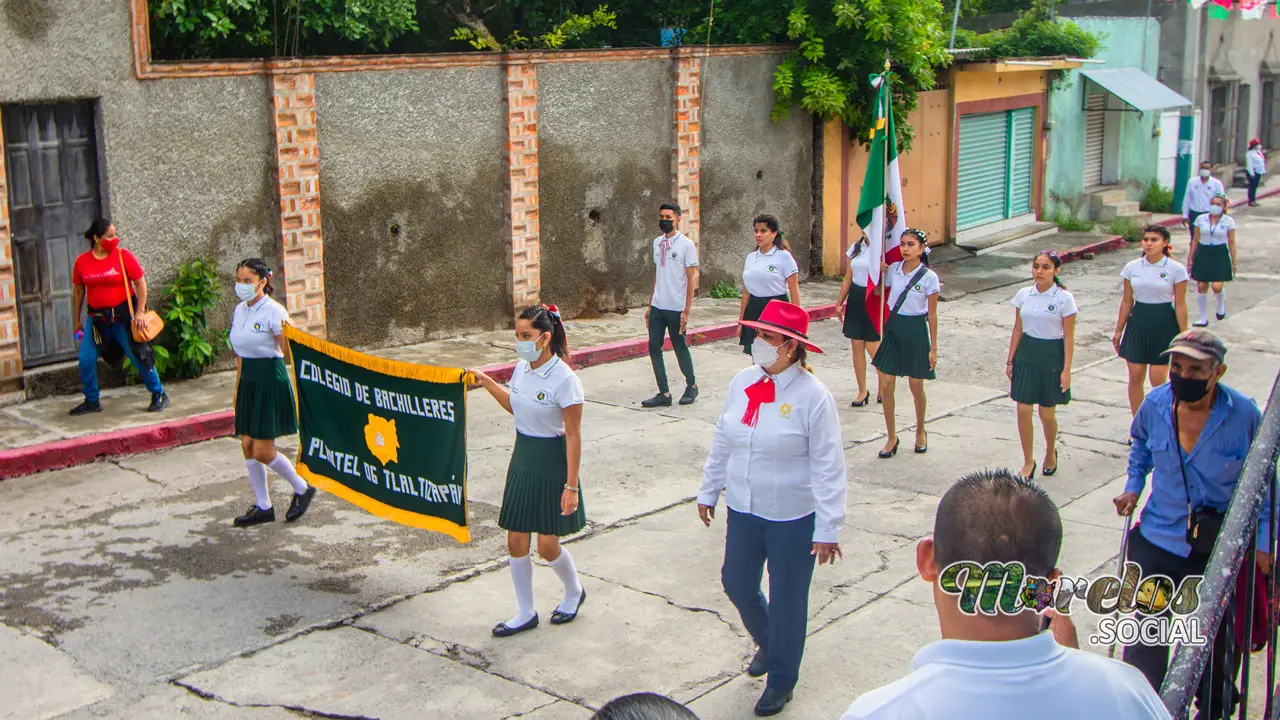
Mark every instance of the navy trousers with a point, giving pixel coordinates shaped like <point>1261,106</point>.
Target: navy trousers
<point>778,625</point>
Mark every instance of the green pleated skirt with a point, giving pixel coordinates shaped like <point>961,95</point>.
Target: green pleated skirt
<point>1037,372</point>
<point>1150,328</point>
<point>265,408</point>
<point>857,324</point>
<point>755,306</point>
<point>1212,263</point>
<point>536,478</point>
<point>904,351</point>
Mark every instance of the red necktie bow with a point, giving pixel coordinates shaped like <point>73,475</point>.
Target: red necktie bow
<point>763,391</point>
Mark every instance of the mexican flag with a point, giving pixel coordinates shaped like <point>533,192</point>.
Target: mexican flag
<point>880,212</point>
<point>1220,9</point>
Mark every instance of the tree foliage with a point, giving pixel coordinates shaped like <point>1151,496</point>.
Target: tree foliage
<point>1035,34</point>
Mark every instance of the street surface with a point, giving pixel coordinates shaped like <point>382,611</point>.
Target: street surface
<point>127,593</point>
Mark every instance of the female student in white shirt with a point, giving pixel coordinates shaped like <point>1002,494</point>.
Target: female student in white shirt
<point>778,455</point>
<point>769,273</point>
<point>863,337</point>
<point>542,492</point>
<point>1152,312</point>
<point>1040,353</point>
<point>910,345</point>
<point>1213,256</point>
<point>265,408</point>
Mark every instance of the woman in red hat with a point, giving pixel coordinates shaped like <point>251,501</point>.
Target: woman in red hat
<point>910,345</point>
<point>779,457</point>
<point>1255,168</point>
<point>542,493</point>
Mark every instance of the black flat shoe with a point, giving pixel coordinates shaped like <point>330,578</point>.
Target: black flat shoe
<point>1200,324</point>
<point>1051,470</point>
<point>85,408</point>
<point>690,394</point>
<point>759,666</point>
<point>501,629</point>
<point>159,401</point>
<point>560,618</point>
<point>1222,316</point>
<point>658,400</point>
<point>865,399</point>
<point>886,455</point>
<point>772,701</point>
<point>298,506</point>
<point>256,516</point>
<point>879,399</point>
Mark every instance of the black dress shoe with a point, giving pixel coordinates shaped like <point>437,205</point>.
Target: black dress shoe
<point>502,630</point>
<point>561,618</point>
<point>159,401</point>
<point>256,516</point>
<point>759,666</point>
<point>865,399</point>
<point>690,394</point>
<point>886,455</point>
<point>658,400</point>
<point>298,506</point>
<point>772,701</point>
<point>85,408</point>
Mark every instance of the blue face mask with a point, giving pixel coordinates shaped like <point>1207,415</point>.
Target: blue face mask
<point>528,350</point>
<point>246,291</point>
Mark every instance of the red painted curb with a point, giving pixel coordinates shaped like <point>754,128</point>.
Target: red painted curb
<point>1107,244</point>
<point>199,428</point>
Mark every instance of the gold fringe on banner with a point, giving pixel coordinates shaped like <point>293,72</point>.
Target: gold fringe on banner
<point>395,368</point>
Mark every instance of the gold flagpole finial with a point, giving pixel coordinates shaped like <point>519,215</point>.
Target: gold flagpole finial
<point>886,64</point>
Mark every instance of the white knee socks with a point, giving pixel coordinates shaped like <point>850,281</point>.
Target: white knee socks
<point>1202,302</point>
<point>284,469</point>
<point>564,567</point>
<point>522,578</point>
<point>1222,301</point>
<point>258,479</point>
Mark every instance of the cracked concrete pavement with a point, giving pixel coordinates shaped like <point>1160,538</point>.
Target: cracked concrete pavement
<point>126,592</point>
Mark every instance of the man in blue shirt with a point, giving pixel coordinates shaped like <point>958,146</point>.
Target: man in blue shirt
<point>1196,467</point>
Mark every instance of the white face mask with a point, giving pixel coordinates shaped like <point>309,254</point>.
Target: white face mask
<point>1215,210</point>
<point>246,291</point>
<point>1204,174</point>
<point>528,350</point>
<point>764,354</point>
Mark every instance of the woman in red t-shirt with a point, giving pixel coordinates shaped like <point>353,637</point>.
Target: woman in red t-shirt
<point>101,274</point>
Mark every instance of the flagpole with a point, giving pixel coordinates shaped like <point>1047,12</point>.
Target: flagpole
<point>884,163</point>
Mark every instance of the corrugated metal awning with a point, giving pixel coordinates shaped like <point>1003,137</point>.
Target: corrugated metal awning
<point>1137,89</point>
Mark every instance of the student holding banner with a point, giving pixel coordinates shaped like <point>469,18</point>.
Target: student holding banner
<point>542,492</point>
<point>264,397</point>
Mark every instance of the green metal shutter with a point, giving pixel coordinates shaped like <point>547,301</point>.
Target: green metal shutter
<point>982,170</point>
<point>1021,160</point>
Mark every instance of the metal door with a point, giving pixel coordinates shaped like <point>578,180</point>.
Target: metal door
<point>1095,124</point>
<point>1022,143</point>
<point>52,165</point>
<point>982,169</point>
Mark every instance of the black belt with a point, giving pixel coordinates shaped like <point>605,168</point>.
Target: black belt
<point>110,315</point>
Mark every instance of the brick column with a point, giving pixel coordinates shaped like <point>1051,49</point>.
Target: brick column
<point>10,347</point>
<point>522,184</point>
<point>297,170</point>
<point>686,157</point>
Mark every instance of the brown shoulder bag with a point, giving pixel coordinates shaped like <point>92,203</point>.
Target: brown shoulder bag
<point>152,324</point>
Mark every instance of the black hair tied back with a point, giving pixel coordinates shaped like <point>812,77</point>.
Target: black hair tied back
<point>259,268</point>
<point>546,318</point>
<point>97,230</point>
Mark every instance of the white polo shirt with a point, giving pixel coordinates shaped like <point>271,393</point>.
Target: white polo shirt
<point>1014,680</point>
<point>1199,194</point>
<point>766,274</point>
<point>254,329</point>
<point>917,302</point>
<point>672,286</point>
<point>1154,283</point>
<point>860,264</point>
<point>539,397</point>
<point>1257,162</point>
<point>1042,313</point>
<point>1215,233</point>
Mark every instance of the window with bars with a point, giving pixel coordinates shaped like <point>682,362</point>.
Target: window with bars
<point>1222,122</point>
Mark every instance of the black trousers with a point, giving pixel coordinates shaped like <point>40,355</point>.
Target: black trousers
<point>1153,660</point>
<point>1191,222</point>
<point>1253,186</point>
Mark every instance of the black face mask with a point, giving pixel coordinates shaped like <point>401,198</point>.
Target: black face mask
<point>1188,389</point>
<point>666,225</point>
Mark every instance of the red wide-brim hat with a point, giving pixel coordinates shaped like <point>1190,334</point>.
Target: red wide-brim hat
<point>785,319</point>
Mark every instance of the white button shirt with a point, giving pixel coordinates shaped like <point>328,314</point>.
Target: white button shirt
<point>766,274</point>
<point>672,286</point>
<point>1012,680</point>
<point>917,302</point>
<point>860,264</point>
<point>1153,284</point>
<point>254,329</point>
<point>1257,162</point>
<point>1215,233</point>
<point>788,466</point>
<point>539,397</point>
<point>1199,193</point>
<point>1043,312</point>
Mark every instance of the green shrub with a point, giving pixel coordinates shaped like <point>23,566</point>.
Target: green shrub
<point>1071,223</point>
<point>722,290</point>
<point>1125,228</point>
<point>187,348</point>
<point>1157,199</point>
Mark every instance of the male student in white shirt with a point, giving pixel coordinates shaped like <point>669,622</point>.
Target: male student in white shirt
<point>1199,196</point>
<point>675,260</point>
<point>1002,667</point>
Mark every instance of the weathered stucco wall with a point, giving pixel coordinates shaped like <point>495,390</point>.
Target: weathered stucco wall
<point>412,195</point>
<point>750,165</point>
<point>605,134</point>
<point>184,164</point>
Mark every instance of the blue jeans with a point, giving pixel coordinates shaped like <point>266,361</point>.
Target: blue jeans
<point>89,359</point>
<point>779,624</point>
